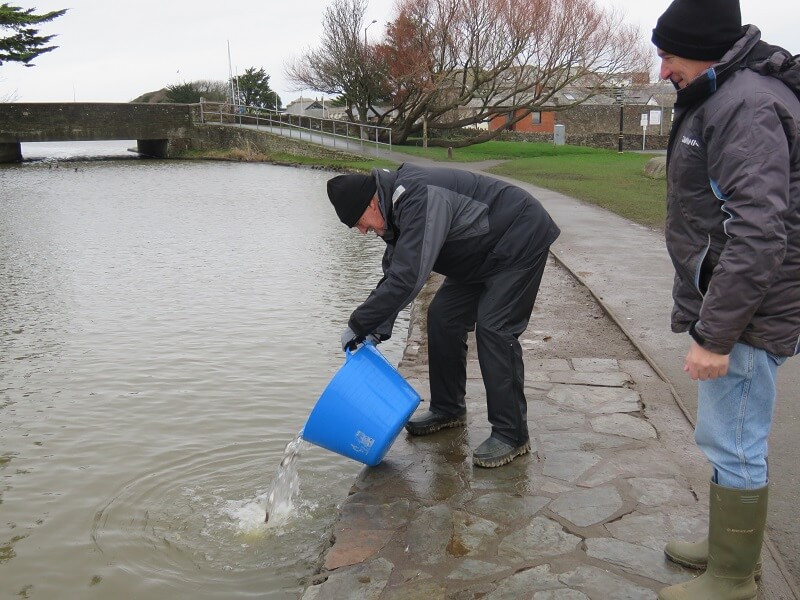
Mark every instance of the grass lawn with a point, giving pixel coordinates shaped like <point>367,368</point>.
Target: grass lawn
<point>495,151</point>
<point>606,178</point>
<point>613,181</point>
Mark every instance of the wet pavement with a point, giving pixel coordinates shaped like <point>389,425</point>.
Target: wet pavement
<point>613,474</point>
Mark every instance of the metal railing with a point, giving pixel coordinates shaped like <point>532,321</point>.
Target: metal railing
<point>299,126</point>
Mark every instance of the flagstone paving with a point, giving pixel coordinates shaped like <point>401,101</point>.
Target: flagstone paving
<point>613,473</point>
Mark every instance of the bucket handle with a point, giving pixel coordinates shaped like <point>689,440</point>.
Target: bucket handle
<point>348,353</point>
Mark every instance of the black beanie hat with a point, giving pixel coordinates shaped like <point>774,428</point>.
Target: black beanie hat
<point>699,29</point>
<point>350,196</point>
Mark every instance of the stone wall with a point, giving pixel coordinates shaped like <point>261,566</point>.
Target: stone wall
<point>83,121</point>
<point>606,141</point>
<point>610,141</point>
<point>213,137</point>
<point>586,119</point>
<point>595,126</point>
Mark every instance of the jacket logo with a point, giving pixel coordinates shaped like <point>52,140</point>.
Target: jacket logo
<point>690,142</point>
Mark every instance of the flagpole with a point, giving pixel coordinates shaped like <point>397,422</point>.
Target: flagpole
<point>230,74</point>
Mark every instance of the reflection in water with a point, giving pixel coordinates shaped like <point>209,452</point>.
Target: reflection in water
<point>165,329</point>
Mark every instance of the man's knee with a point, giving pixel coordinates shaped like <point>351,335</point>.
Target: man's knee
<point>496,337</point>
<point>442,318</point>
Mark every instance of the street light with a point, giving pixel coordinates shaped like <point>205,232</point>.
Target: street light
<point>365,31</point>
<point>621,101</point>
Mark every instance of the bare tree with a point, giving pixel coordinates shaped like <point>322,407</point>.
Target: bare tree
<point>489,58</point>
<point>457,63</point>
<point>343,64</point>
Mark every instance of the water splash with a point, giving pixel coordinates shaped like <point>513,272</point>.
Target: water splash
<point>286,483</point>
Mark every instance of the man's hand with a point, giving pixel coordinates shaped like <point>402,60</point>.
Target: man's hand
<point>704,364</point>
<point>349,339</point>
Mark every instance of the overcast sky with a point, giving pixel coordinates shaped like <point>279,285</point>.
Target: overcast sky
<point>114,51</point>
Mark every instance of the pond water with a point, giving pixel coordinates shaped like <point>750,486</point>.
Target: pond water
<point>165,329</point>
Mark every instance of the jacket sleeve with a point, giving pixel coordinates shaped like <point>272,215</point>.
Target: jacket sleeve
<point>748,165</point>
<point>423,227</point>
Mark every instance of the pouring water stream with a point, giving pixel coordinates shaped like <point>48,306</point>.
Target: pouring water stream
<point>286,482</point>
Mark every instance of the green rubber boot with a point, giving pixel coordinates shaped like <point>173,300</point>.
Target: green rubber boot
<point>735,533</point>
<point>694,555</point>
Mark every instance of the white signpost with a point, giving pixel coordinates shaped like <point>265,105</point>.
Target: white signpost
<point>644,128</point>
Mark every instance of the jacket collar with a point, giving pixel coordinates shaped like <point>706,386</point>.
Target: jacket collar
<point>385,180</point>
<point>708,83</point>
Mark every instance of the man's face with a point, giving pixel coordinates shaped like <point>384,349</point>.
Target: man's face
<point>681,71</point>
<point>372,220</point>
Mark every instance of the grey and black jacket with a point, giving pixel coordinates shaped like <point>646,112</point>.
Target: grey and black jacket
<point>457,223</point>
<point>733,205</point>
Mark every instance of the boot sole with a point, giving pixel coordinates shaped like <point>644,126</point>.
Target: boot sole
<point>503,460</point>
<point>434,427</point>
<point>686,563</point>
<point>702,566</point>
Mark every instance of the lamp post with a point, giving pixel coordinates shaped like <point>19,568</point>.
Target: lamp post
<point>365,32</point>
<point>621,101</point>
<point>364,67</point>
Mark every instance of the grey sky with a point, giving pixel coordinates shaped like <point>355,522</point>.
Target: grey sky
<point>111,51</point>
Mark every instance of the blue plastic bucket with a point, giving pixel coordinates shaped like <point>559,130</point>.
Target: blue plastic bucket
<point>363,408</point>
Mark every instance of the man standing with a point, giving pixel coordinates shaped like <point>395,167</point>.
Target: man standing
<point>490,239</point>
<point>733,233</point>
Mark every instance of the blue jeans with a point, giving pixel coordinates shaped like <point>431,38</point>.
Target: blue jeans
<point>734,416</point>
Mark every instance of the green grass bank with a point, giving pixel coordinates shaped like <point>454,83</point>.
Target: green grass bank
<point>606,178</point>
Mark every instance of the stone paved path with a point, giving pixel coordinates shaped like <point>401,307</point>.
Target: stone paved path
<point>612,475</point>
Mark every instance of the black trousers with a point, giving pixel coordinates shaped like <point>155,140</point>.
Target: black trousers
<point>498,309</point>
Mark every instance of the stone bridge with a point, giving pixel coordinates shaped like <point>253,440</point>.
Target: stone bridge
<point>153,126</point>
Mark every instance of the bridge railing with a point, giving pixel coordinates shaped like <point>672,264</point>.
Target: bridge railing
<point>300,126</point>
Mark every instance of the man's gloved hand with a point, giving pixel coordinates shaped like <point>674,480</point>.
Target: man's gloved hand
<point>351,340</point>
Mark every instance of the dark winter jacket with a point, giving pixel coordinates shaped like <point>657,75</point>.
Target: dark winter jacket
<point>462,225</point>
<point>733,206</point>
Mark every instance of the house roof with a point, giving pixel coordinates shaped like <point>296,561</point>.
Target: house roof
<point>659,94</point>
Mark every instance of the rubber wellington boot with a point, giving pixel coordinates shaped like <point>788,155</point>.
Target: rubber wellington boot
<point>735,533</point>
<point>430,422</point>
<point>694,555</point>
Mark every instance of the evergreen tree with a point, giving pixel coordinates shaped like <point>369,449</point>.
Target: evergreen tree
<point>253,89</point>
<point>19,39</point>
<point>183,93</point>
<point>191,92</point>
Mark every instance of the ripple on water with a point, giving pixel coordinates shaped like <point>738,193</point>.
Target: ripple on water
<point>168,326</point>
<point>199,517</point>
